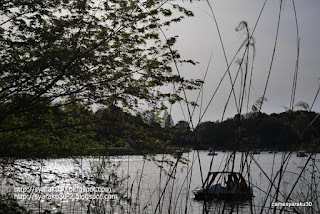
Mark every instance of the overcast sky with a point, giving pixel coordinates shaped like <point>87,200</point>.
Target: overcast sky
<point>198,38</point>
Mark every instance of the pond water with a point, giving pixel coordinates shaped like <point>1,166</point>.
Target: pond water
<point>141,183</point>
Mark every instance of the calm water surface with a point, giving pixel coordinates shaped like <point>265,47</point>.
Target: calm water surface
<point>146,181</point>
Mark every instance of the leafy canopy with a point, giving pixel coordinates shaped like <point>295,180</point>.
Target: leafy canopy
<point>107,52</point>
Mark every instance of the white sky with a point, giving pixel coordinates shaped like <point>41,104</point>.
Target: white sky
<point>198,38</point>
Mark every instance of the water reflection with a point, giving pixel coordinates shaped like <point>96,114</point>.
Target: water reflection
<point>141,182</point>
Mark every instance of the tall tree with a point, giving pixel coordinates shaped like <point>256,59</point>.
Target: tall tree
<point>167,120</point>
<point>106,52</point>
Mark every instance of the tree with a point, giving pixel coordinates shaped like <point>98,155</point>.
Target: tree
<point>183,136</point>
<point>183,126</point>
<point>106,52</point>
<point>167,120</point>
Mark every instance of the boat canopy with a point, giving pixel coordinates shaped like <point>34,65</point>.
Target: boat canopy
<point>235,183</point>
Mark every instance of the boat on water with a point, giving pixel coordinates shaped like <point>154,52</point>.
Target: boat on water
<point>178,154</point>
<point>273,152</point>
<point>224,185</point>
<point>301,154</point>
<point>255,152</point>
<point>212,153</point>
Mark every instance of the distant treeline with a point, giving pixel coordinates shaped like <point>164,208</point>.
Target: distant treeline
<point>295,130</point>
<point>72,130</point>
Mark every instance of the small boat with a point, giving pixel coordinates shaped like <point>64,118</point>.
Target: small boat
<point>178,154</point>
<point>234,188</point>
<point>273,152</point>
<point>301,154</point>
<point>212,153</point>
<point>255,152</point>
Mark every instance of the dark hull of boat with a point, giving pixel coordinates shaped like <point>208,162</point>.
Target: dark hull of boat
<point>212,196</point>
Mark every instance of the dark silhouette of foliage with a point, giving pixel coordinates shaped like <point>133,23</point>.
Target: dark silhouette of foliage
<point>258,131</point>
<point>59,57</point>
